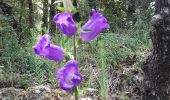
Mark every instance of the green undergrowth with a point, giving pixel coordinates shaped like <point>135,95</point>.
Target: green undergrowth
<point>116,48</point>
<point>19,60</point>
<point>109,49</point>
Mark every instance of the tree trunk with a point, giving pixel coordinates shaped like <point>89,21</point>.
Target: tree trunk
<point>131,9</point>
<point>52,26</point>
<point>7,10</point>
<point>156,80</point>
<point>45,17</point>
<point>21,12</point>
<point>31,14</point>
<point>92,4</point>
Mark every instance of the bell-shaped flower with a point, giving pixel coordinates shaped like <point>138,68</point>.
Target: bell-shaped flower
<point>69,77</point>
<point>93,27</point>
<point>47,50</point>
<point>65,23</point>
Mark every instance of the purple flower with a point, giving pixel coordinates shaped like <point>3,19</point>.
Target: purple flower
<point>69,77</point>
<point>47,50</point>
<point>94,25</point>
<point>65,23</point>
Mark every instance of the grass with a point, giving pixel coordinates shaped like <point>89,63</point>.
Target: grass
<point>18,59</point>
<point>108,49</point>
<point>103,76</point>
<point>113,49</point>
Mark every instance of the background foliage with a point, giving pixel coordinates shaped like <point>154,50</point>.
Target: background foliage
<point>128,35</point>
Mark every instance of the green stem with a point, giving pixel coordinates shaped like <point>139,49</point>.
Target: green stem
<point>76,93</point>
<point>75,58</point>
<point>74,44</point>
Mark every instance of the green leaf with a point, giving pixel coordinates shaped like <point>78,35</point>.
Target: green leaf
<point>69,55</point>
<point>74,10</point>
<point>60,8</point>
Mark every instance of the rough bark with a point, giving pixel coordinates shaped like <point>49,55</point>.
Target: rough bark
<point>45,16</point>
<point>8,11</point>
<point>52,25</point>
<point>156,80</point>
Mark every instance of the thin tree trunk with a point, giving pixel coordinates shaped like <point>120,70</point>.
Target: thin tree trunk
<point>156,81</point>
<point>21,12</point>
<point>45,17</point>
<point>92,4</point>
<point>31,14</point>
<point>131,9</point>
<point>8,11</point>
<point>52,25</point>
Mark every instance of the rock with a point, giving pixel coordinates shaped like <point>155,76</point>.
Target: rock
<point>9,93</point>
<point>40,93</point>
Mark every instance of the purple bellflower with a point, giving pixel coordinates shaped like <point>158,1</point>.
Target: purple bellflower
<point>47,50</point>
<point>94,25</point>
<point>65,23</point>
<point>69,77</point>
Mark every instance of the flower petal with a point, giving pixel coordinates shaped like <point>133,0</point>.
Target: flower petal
<point>71,66</point>
<point>41,45</point>
<point>55,53</point>
<point>77,78</point>
<point>69,76</point>
<point>95,25</point>
<point>47,50</point>
<point>60,73</point>
<point>65,23</point>
<point>65,86</point>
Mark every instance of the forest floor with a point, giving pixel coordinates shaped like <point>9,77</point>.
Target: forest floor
<point>124,84</point>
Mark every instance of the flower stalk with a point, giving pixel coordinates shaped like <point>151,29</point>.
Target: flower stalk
<point>75,58</point>
<point>74,46</point>
<point>76,93</point>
